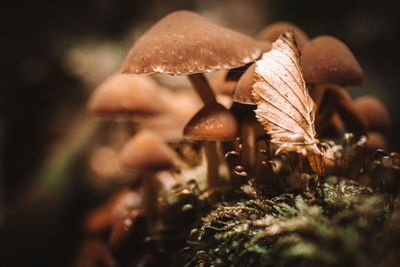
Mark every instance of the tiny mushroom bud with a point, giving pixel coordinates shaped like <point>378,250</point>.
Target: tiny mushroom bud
<point>212,123</point>
<point>374,112</point>
<point>272,32</point>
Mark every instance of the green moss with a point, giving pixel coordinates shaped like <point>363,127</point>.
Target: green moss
<point>336,226</point>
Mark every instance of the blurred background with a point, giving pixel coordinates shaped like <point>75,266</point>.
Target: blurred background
<point>53,54</point>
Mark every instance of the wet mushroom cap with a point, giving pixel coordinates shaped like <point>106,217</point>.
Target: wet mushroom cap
<point>325,59</point>
<point>374,112</point>
<point>126,94</point>
<point>146,151</point>
<point>184,43</point>
<point>212,123</point>
<point>243,90</point>
<point>272,32</point>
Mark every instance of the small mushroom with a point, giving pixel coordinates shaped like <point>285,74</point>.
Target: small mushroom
<point>374,112</point>
<point>327,60</point>
<point>243,109</point>
<point>272,32</point>
<point>147,153</point>
<point>211,124</point>
<point>126,96</point>
<point>337,99</point>
<point>100,219</point>
<point>376,140</point>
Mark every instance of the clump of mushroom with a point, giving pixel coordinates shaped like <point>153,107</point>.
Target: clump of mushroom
<point>168,121</point>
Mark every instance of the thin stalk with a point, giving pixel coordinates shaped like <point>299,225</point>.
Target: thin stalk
<point>203,89</point>
<point>212,165</point>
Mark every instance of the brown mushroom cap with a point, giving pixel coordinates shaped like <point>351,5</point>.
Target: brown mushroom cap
<point>212,123</point>
<point>325,59</point>
<point>243,90</point>
<point>101,218</point>
<point>126,94</point>
<point>374,112</point>
<point>272,32</point>
<point>184,43</point>
<point>146,151</point>
<point>376,140</point>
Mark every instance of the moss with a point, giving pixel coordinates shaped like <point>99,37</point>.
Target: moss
<point>338,226</point>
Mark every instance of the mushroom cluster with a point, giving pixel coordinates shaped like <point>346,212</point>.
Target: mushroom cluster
<point>167,124</point>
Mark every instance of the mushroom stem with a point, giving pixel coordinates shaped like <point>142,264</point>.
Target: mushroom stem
<point>248,152</point>
<point>212,165</point>
<point>317,92</point>
<point>203,89</point>
<point>150,188</point>
<point>344,106</point>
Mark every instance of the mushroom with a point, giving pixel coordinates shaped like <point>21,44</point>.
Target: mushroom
<point>375,141</point>
<point>327,60</point>
<point>374,112</point>
<point>124,97</point>
<point>243,108</point>
<point>332,127</point>
<point>272,32</point>
<point>338,99</point>
<point>100,219</point>
<point>147,153</point>
<point>184,43</point>
<point>127,235</point>
<point>211,124</point>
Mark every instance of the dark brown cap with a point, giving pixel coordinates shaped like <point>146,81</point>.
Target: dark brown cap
<point>243,90</point>
<point>146,151</point>
<point>212,123</point>
<point>184,43</point>
<point>272,32</point>
<point>100,219</point>
<point>326,59</point>
<point>126,94</point>
<point>376,140</point>
<point>374,112</point>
